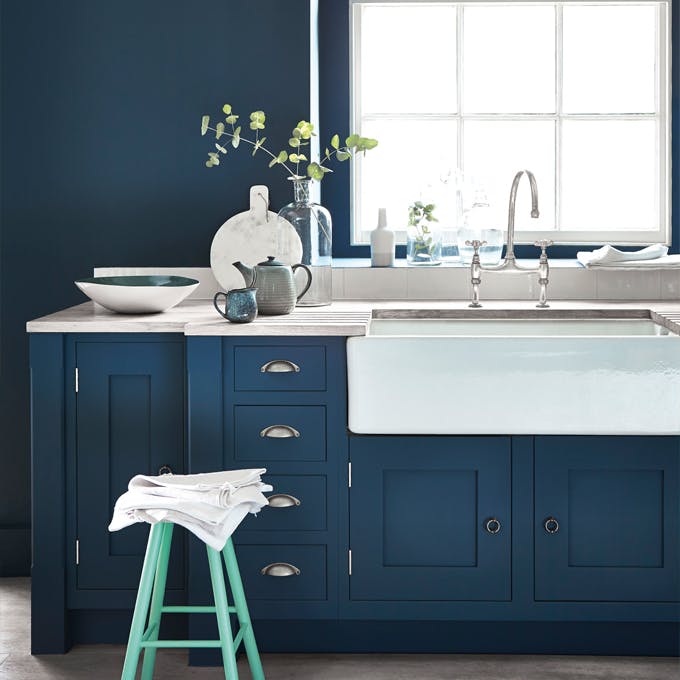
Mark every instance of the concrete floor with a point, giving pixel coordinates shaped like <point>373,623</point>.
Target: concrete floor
<point>104,662</point>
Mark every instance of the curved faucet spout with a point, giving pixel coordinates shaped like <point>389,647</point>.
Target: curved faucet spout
<point>510,254</point>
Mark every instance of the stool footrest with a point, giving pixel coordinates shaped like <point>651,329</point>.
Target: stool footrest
<point>181,644</point>
<point>189,609</point>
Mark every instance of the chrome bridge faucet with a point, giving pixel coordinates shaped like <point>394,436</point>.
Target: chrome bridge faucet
<point>509,263</point>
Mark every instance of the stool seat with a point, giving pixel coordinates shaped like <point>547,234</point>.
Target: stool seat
<point>150,602</point>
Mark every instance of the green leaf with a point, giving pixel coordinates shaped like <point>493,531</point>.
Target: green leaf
<point>205,121</point>
<point>226,109</point>
<point>231,119</point>
<point>257,119</point>
<point>273,162</point>
<point>315,171</point>
<point>343,155</point>
<point>296,158</point>
<point>306,129</point>
<point>294,142</point>
<point>220,148</point>
<point>282,157</point>
<point>236,139</point>
<point>352,141</point>
<point>368,143</point>
<point>209,164</point>
<point>335,142</point>
<point>214,158</point>
<point>296,133</point>
<point>219,130</point>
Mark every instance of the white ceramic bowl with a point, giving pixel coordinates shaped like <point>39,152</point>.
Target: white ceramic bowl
<point>137,294</point>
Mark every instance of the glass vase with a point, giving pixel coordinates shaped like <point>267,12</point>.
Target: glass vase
<point>423,245</point>
<point>313,224</point>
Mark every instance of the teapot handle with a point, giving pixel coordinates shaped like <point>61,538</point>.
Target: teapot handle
<point>309,279</point>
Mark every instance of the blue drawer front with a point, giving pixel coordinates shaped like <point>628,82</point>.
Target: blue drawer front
<point>309,422</point>
<point>250,361</point>
<point>310,515</point>
<point>310,584</point>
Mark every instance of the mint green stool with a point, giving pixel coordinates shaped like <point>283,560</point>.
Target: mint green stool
<point>150,601</point>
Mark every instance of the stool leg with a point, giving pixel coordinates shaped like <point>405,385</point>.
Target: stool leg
<point>142,603</point>
<point>242,611</point>
<point>222,611</point>
<point>157,599</point>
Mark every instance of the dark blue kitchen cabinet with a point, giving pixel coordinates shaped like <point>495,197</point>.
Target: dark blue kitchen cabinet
<point>129,419</point>
<point>607,519</point>
<point>439,544</point>
<point>430,518</point>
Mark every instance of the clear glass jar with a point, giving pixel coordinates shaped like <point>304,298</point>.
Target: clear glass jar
<point>313,224</point>
<point>424,244</point>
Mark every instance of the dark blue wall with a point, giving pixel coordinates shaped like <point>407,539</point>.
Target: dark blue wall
<point>102,161</point>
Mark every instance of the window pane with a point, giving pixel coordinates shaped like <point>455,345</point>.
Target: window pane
<point>609,175</point>
<point>495,150</point>
<point>408,59</point>
<point>609,59</point>
<point>509,59</point>
<point>399,171</point>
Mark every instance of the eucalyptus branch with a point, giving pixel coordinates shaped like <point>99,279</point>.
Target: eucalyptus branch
<point>248,141</point>
<point>301,136</point>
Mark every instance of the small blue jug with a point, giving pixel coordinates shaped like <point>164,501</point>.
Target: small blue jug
<point>241,305</point>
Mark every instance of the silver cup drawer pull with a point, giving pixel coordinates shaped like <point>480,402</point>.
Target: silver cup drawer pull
<point>283,500</point>
<point>280,366</point>
<point>280,569</point>
<point>279,432</point>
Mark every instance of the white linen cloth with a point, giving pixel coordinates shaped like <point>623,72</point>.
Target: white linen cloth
<point>652,257</point>
<point>210,505</point>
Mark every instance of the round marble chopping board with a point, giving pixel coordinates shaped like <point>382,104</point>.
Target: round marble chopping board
<point>250,237</point>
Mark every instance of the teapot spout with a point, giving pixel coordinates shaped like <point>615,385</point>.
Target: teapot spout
<point>247,272</point>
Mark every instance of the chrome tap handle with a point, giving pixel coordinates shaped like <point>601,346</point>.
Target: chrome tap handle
<point>543,271</point>
<point>475,271</point>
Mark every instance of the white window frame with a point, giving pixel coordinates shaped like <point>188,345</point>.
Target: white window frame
<point>662,115</point>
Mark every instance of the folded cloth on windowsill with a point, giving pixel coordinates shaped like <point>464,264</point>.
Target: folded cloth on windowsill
<point>653,257</point>
<point>209,505</point>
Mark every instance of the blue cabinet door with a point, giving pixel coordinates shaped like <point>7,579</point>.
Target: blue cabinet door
<point>606,518</point>
<point>419,509</point>
<point>129,420</point>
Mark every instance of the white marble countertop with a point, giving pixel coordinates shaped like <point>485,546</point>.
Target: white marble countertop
<point>342,318</point>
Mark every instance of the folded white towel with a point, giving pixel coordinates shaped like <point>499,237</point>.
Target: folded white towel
<point>214,488</point>
<point>209,505</point>
<point>654,256</point>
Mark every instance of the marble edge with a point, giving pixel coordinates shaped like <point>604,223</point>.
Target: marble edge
<point>345,318</point>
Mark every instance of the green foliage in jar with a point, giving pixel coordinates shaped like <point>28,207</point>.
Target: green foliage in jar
<point>296,162</point>
<point>420,215</point>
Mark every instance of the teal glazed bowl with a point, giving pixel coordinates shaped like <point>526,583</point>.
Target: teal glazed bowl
<point>137,294</point>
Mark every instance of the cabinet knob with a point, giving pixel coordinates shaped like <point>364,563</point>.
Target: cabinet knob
<point>551,525</point>
<point>165,470</point>
<point>279,432</point>
<point>283,500</point>
<point>280,366</point>
<point>280,569</point>
<point>492,525</point>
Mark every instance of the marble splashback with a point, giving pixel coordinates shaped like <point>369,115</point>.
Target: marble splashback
<point>568,281</point>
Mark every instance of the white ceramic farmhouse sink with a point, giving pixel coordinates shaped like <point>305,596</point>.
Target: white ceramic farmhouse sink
<point>514,376</point>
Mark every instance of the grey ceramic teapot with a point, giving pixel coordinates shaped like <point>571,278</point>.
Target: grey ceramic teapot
<point>276,291</point>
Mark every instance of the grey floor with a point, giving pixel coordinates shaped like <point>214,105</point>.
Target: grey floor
<point>104,662</point>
